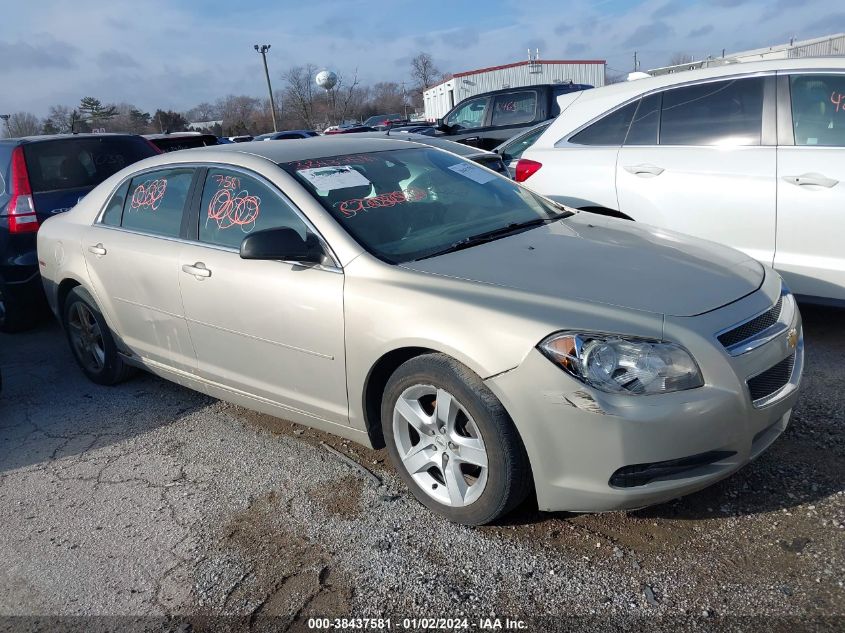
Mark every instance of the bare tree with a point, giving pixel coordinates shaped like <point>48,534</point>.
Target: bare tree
<point>423,71</point>
<point>23,124</point>
<point>203,112</point>
<point>344,98</point>
<point>299,94</point>
<point>680,58</point>
<point>59,120</point>
<point>239,113</point>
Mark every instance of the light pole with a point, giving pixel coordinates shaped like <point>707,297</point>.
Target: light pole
<point>263,48</point>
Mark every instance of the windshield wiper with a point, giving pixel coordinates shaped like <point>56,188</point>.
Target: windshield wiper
<point>495,234</point>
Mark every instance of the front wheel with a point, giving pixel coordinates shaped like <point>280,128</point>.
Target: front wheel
<point>91,340</point>
<point>452,441</point>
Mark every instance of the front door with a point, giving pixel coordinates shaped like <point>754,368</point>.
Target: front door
<point>811,188</point>
<point>132,259</point>
<point>268,329</point>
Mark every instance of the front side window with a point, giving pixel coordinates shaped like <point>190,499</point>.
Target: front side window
<point>411,203</point>
<point>514,108</point>
<point>235,204</point>
<point>715,113</point>
<point>818,109</point>
<point>470,115</point>
<point>609,130</point>
<point>156,200</point>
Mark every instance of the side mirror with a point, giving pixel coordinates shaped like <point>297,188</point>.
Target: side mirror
<point>282,244</point>
<point>442,126</point>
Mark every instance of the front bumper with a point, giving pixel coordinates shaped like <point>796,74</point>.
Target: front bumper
<point>577,438</point>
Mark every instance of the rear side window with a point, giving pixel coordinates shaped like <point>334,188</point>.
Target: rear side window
<point>818,109</point>
<point>155,201</point>
<point>234,205</point>
<point>643,130</point>
<point>716,113</point>
<point>84,162</point>
<point>114,209</point>
<point>609,130</point>
<point>515,149</point>
<point>514,108</point>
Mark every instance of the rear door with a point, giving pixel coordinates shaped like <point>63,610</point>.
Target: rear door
<point>701,159</point>
<point>63,170</point>
<point>811,183</point>
<point>132,256</point>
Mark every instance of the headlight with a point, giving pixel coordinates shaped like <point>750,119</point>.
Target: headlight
<point>621,364</point>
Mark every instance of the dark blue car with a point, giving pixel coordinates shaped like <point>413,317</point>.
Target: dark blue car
<point>286,134</point>
<point>39,177</point>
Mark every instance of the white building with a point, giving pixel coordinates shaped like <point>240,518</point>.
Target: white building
<point>827,46</point>
<point>439,99</point>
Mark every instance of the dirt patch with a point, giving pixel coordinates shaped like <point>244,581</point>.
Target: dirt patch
<point>341,498</point>
<point>266,578</point>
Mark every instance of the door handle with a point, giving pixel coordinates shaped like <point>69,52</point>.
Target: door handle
<point>98,250</point>
<point>811,179</point>
<point>644,170</point>
<point>198,270</point>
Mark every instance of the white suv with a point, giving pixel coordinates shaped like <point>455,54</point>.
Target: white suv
<point>751,155</point>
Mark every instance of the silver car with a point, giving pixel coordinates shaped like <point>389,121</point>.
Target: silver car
<point>498,344</point>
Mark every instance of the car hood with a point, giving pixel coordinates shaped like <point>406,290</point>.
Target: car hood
<point>610,261</point>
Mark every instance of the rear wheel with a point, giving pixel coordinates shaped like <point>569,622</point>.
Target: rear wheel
<point>91,340</point>
<point>452,441</point>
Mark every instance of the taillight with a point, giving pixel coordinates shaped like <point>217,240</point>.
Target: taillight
<point>21,209</point>
<point>526,168</point>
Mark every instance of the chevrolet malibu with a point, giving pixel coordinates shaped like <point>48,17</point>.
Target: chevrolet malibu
<point>498,344</point>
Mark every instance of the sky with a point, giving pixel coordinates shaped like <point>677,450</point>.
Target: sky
<point>174,54</point>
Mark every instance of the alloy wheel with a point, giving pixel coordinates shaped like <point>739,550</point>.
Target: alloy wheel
<point>87,338</point>
<point>440,445</point>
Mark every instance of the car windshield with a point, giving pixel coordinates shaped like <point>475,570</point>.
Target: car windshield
<point>408,204</point>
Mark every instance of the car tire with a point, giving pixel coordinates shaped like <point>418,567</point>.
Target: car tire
<point>439,450</point>
<point>91,340</point>
<point>13,313</point>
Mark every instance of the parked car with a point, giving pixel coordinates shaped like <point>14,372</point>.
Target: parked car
<point>512,149</point>
<point>751,155</point>
<point>243,138</point>
<point>173,141</point>
<point>489,119</point>
<point>396,294</point>
<point>285,135</point>
<point>384,119</point>
<point>490,160</point>
<point>349,130</point>
<point>41,176</point>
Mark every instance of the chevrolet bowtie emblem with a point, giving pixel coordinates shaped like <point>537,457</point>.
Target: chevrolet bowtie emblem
<point>792,338</point>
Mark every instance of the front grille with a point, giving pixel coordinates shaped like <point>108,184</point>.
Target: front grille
<point>752,327</point>
<point>641,474</point>
<point>492,162</point>
<point>774,378</point>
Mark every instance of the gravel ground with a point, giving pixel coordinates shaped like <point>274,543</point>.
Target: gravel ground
<point>147,500</point>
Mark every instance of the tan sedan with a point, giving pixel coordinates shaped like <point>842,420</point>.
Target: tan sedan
<point>395,294</point>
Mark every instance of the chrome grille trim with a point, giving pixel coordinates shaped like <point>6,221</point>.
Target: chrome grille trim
<point>740,338</point>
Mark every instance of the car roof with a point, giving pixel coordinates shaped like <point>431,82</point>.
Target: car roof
<point>582,107</point>
<point>155,137</point>
<point>295,149</point>
<point>58,137</point>
<point>434,141</point>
